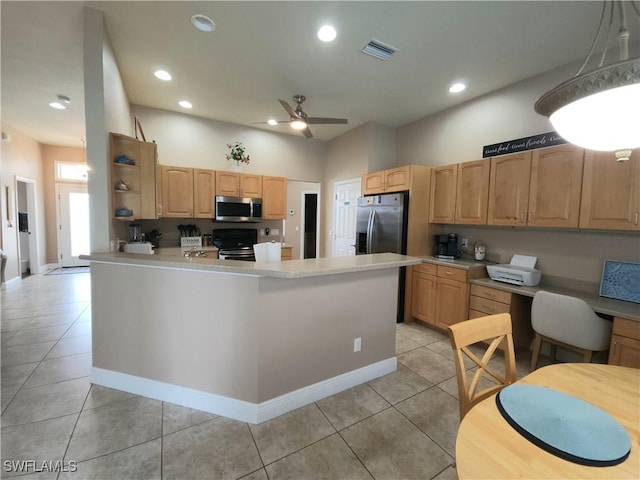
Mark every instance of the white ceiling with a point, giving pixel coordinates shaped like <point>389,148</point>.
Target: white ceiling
<point>264,51</point>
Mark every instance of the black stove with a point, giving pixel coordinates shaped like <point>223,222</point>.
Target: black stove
<point>235,243</point>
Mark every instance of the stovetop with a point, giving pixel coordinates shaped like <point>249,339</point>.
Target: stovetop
<point>235,239</point>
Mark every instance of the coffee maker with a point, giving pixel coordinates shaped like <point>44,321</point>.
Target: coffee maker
<point>446,246</point>
<point>135,233</point>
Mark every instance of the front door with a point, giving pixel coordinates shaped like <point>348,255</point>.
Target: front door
<point>344,222</point>
<point>73,226</point>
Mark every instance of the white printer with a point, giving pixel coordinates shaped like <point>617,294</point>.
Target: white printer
<point>519,271</point>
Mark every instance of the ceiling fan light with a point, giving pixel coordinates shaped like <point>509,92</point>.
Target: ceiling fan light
<point>298,124</point>
<point>604,121</point>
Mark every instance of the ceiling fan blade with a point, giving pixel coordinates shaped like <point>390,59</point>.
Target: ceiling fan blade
<point>288,108</point>
<point>267,123</point>
<point>306,132</point>
<point>321,120</point>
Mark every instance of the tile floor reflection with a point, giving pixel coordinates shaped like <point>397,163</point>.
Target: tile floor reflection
<point>400,426</point>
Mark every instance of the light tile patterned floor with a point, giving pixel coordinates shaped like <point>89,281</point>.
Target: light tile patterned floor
<point>400,426</point>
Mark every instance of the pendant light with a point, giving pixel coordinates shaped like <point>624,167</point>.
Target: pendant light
<point>600,109</point>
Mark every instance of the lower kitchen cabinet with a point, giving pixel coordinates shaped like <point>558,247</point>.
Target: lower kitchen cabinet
<point>286,253</point>
<point>485,301</point>
<point>440,294</point>
<point>625,343</point>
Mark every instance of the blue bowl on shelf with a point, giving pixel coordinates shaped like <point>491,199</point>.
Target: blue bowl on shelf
<point>124,160</point>
<point>124,212</point>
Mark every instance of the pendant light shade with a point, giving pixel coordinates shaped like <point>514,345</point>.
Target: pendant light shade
<point>600,109</point>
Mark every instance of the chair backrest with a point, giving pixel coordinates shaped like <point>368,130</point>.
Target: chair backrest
<point>569,320</point>
<point>496,330</point>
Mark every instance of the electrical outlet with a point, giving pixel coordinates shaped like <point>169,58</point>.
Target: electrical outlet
<point>465,242</point>
<point>275,231</point>
<point>357,344</point>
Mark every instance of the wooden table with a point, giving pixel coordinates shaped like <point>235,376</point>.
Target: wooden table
<point>488,447</point>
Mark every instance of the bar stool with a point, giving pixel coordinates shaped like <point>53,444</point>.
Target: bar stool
<point>567,322</point>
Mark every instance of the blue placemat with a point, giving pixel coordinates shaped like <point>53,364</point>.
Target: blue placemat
<point>564,425</point>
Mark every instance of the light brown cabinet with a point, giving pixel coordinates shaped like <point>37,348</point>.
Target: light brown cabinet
<point>459,193</point>
<point>509,189</point>
<point>233,184</point>
<point>625,343</point>
<point>286,253</point>
<point>274,198</point>
<point>555,186</point>
<point>204,191</point>
<point>133,187</point>
<point>610,192</point>
<point>177,192</point>
<point>387,181</point>
<point>440,294</point>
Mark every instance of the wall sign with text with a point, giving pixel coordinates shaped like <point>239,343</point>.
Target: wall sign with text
<point>521,144</point>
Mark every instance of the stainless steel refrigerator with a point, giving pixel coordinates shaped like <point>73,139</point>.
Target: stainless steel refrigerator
<point>381,226</point>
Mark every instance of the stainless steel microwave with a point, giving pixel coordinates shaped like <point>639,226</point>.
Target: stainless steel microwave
<point>238,209</point>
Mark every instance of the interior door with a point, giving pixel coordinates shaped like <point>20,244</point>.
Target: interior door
<point>73,224</point>
<point>344,237</point>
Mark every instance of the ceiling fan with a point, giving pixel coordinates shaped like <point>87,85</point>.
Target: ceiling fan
<point>299,120</point>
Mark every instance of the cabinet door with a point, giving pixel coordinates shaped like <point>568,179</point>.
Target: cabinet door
<point>274,198</point>
<point>423,297</point>
<point>397,179</point>
<point>148,163</point>
<point>250,185</point>
<point>227,184</point>
<point>204,184</point>
<point>472,192</point>
<point>373,183</point>
<point>177,192</point>
<point>443,194</point>
<point>556,183</point>
<point>610,192</point>
<point>624,351</point>
<point>452,302</point>
<point>509,189</point>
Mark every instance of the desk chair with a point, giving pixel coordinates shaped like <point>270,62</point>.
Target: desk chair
<point>494,329</point>
<point>567,322</point>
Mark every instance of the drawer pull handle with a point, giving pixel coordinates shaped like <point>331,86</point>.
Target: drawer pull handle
<point>449,273</point>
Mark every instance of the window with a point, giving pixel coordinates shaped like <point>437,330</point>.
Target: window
<point>71,171</point>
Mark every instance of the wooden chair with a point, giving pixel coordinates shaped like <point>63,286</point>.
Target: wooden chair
<point>495,329</point>
<point>567,322</point>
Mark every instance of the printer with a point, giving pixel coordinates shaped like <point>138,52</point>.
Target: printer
<point>520,271</point>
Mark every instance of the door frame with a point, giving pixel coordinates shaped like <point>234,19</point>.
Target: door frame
<point>59,216</point>
<point>302,220</point>
<point>335,209</point>
<point>32,212</point>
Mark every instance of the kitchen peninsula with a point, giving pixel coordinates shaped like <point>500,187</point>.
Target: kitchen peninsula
<point>246,340</point>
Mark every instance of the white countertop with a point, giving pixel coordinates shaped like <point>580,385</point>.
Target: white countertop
<point>311,267</point>
<point>458,262</point>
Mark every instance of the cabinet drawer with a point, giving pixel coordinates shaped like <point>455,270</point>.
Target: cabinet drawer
<point>489,307</point>
<point>428,268</point>
<point>491,293</point>
<point>476,314</point>
<point>626,328</point>
<point>457,274</point>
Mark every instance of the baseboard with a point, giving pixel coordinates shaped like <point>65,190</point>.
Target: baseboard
<point>239,409</point>
<point>47,267</point>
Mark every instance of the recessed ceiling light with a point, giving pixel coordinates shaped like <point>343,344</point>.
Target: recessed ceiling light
<point>162,75</point>
<point>272,122</point>
<point>57,105</point>
<point>203,23</point>
<point>327,33</point>
<point>457,87</point>
<point>185,104</point>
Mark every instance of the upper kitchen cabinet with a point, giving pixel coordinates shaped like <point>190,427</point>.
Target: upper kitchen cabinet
<point>177,192</point>
<point>233,184</point>
<point>459,193</point>
<point>274,198</point>
<point>610,192</point>
<point>204,191</point>
<point>387,181</point>
<point>133,177</point>
<point>555,186</point>
<point>509,189</point>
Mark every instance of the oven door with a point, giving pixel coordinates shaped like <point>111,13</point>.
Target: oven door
<point>234,209</point>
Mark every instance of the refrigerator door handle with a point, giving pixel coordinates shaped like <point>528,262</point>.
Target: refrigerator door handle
<point>372,217</point>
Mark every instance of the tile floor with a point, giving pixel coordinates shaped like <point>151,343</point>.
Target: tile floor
<point>400,426</point>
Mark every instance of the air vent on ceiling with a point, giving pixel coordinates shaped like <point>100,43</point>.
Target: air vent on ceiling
<point>379,50</point>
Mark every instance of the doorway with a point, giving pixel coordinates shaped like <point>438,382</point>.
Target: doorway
<point>73,224</point>
<point>28,258</point>
<point>344,217</point>
<point>309,238</point>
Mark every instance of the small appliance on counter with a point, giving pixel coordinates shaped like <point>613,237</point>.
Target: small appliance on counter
<point>139,247</point>
<point>135,233</point>
<point>519,271</point>
<point>446,246</point>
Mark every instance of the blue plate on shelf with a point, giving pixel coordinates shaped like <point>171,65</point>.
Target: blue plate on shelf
<point>124,212</point>
<point>124,160</point>
<point>621,280</point>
